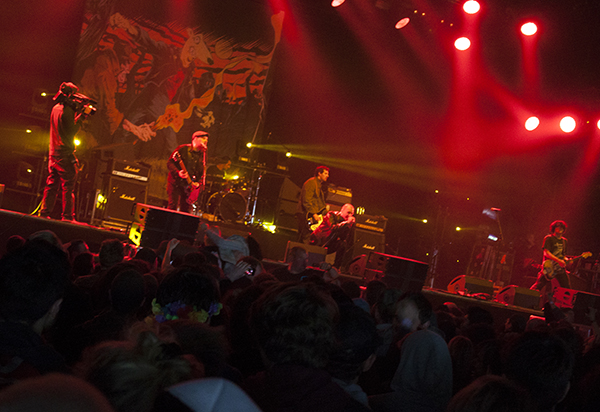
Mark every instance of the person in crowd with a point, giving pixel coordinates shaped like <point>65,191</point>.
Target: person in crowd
<point>294,327</point>
<point>33,280</point>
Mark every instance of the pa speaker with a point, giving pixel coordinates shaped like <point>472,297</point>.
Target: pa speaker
<point>405,274</point>
<point>154,224</point>
<point>122,195</point>
<point>518,296</point>
<point>469,285</point>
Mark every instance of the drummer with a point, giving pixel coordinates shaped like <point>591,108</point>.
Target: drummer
<point>218,169</point>
<point>215,175</point>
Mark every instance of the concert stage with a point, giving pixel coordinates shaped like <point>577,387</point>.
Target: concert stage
<point>15,223</point>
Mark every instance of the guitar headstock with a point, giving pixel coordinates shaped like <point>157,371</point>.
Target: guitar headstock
<point>176,157</point>
<point>586,255</point>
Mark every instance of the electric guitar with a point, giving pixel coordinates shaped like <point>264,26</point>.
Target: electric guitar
<point>192,189</point>
<point>551,268</point>
<point>314,223</point>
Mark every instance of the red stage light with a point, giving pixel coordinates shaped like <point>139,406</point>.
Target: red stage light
<point>471,7</point>
<point>567,124</point>
<point>337,3</point>
<point>532,123</point>
<point>462,43</point>
<point>529,29</point>
<point>402,22</point>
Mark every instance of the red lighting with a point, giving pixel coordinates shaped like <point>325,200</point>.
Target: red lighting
<point>337,3</point>
<point>567,124</point>
<point>598,124</point>
<point>402,22</point>
<point>462,43</point>
<point>529,29</point>
<point>471,7</point>
<point>532,123</point>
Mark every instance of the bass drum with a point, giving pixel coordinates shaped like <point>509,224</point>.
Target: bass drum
<point>231,207</point>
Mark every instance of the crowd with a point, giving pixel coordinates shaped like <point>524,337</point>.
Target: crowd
<point>208,328</point>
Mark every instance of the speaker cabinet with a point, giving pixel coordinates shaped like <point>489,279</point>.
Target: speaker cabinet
<point>469,285</point>
<point>518,296</point>
<point>366,241</point>
<point>152,225</point>
<point>121,197</point>
<point>405,274</point>
<point>316,254</point>
<point>580,302</point>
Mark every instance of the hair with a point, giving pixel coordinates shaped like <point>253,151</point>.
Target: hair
<point>356,340</point>
<point>76,247</point>
<point>147,254</point>
<point>127,291</point>
<point>111,252</point>
<point>83,265</point>
<point>490,394</point>
<point>14,242</point>
<point>320,169</point>
<point>541,363</point>
<point>423,305</point>
<point>32,279</point>
<point>385,308</point>
<point>293,324</point>
<point>557,223</point>
<point>373,291</point>
<point>189,287</point>
<point>132,375</point>
<point>53,393</point>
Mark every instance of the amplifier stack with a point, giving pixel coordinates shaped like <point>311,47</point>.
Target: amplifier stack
<point>124,184</point>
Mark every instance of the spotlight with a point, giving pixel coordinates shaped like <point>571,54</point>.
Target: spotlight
<point>77,142</point>
<point>529,29</point>
<point>532,123</point>
<point>337,3</point>
<point>28,131</point>
<point>402,22</point>
<point>567,124</point>
<point>249,145</point>
<point>471,7</point>
<point>598,124</point>
<point>288,154</point>
<point>462,43</point>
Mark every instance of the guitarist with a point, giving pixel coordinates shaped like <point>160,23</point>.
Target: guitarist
<point>311,204</point>
<point>555,249</point>
<point>184,183</point>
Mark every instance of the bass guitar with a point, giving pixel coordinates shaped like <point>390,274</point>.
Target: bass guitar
<point>551,268</point>
<point>192,190</point>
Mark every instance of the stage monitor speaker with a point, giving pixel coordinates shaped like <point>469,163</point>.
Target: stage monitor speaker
<point>357,266</point>
<point>469,285</point>
<point>580,302</point>
<point>408,275</point>
<point>121,197</point>
<point>518,296</point>
<point>154,224</point>
<point>316,254</point>
<point>286,215</point>
<point>366,241</point>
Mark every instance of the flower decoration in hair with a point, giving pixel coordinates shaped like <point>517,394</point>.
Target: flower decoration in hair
<point>179,310</point>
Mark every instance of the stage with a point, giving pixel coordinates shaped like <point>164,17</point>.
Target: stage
<point>273,245</point>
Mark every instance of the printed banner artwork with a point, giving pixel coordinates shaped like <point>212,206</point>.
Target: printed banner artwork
<point>157,80</point>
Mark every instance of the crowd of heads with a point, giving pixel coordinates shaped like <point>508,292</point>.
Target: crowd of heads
<point>214,327</point>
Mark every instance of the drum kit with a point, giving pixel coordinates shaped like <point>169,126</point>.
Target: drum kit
<point>234,199</point>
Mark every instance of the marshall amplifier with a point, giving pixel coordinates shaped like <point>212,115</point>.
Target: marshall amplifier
<point>366,241</point>
<point>127,170</point>
<point>338,195</point>
<point>372,223</point>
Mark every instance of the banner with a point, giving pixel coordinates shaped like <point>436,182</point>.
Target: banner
<point>157,79</point>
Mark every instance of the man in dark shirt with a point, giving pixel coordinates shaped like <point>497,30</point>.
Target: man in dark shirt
<point>65,120</point>
<point>312,202</point>
<point>555,249</point>
<point>185,183</point>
